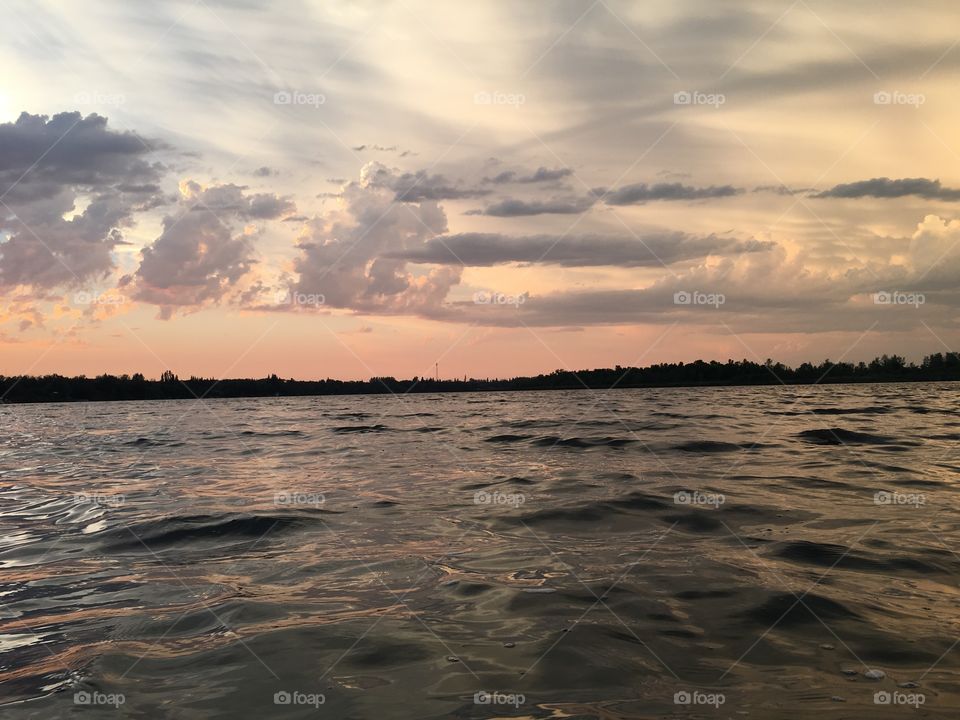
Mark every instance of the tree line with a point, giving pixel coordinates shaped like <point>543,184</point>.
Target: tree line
<point>886,368</point>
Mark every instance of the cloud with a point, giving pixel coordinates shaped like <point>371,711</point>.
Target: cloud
<point>418,186</point>
<point>763,292</point>
<point>642,192</point>
<point>541,174</point>
<point>230,200</point>
<point>200,255</point>
<point>345,255</point>
<point>651,250</point>
<point>886,188</point>
<point>47,166</point>
<point>517,208</point>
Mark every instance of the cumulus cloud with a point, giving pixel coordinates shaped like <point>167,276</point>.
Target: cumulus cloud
<point>200,255</point>
<point>344,255</point>
<point>49,166</point>
<point>230,200</point>
<point>649,250</point>
<point>639,193</point>
<point>886,188</point>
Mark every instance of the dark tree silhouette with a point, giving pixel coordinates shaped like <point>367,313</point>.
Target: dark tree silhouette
<point>886,368</point>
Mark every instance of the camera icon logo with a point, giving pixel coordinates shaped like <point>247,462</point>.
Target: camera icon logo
<point>882,97</point>
<point>682,98</point>
<point>82,698</point>
<point>482,98</point>
<point>282,698</point>
<point>282,98</point>
<point>682,697</point>
<point>682,298</point>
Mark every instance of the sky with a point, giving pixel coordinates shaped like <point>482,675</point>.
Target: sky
<point>233,188</point>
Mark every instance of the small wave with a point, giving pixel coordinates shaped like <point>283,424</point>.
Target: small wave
<point>360,428</point>
<point>868,410</point>
<point>595,511</point>
<point>145,442</point>
<point>708,446</point>
<point>786,611</point>
<point>577,442</point>
<point>508,438</point>
<point>840,556</point>
<point>275,433</point>
<point>842,436</point>
<point>171,531</point>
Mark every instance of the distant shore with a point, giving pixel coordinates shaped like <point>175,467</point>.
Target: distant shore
<point>885,369</point>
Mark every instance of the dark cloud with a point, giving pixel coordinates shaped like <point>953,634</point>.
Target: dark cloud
<point>781,190</point>
<point>541,174</point>
<point>418,186</point>
<point>650,250</point>
<point>517,208</point>
<point>264,172</point>
<point>642,192</point>
<point>886,188</point>
<point>506,176</point>
<point>49,164</point>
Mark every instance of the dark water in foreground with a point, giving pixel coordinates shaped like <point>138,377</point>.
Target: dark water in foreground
<point>627,554</point>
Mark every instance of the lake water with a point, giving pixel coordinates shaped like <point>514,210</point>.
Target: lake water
<point>726,552</point>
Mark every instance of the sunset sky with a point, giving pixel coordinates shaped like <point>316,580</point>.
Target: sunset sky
<point>349,188</point>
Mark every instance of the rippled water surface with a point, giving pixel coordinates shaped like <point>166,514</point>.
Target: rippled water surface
<point>621,554</point>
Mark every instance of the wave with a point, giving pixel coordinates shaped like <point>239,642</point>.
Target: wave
<point>186,530</point>
<point>787,611</point>
<point>361,428</point>
<point>842,436</point>
<point>582,443</point>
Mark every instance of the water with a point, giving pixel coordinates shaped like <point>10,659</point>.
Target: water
<point>572,554</point>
